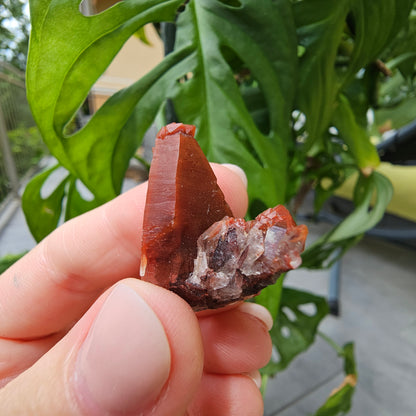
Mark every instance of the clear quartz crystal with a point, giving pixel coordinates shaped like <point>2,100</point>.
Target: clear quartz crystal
<point>295,248</point>
<point>230,291</point>
<point>254,249</point>
<point>219,280</point>
<point>274,236</point>
<point>219,252</point>
<point>249,253</point>
<point>276,246</point>
<point>234,255</point>
<point>200,269</point>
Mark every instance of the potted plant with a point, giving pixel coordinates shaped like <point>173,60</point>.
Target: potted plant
<point>281,88</point>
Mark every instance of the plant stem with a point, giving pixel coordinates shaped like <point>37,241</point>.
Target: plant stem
<point>264,381</point>
<point>332,343</point>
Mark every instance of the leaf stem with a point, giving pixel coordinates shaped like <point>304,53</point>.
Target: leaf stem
<point>332,343</point>
<point>264,382</point>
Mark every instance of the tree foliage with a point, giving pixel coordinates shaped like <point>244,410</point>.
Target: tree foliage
<point>14,32</point>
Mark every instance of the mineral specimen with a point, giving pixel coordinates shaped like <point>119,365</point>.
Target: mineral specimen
<point>191,243</point>
<point>183,200</point>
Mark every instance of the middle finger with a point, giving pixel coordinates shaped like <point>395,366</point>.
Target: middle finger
<point>237,340</point>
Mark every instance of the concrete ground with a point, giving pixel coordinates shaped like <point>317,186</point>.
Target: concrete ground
<point>378,313</point>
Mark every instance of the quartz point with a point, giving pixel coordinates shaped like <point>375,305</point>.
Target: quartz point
<point>183,200</point>
<point>193,246</point>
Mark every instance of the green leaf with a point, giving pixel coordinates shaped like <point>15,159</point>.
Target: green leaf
<point>375,24</point>
<point>320,26</point>
<point>227,44</point>
<point>399,115</point>
<point>339,39</point>
<point>75,203</point>
<point>141,34</point>
<point>8,260</point>
<point>81,48</point>
<point>340,400</point>
<point>330,172</point>
<point>270,297</point>
<point>372,194</point>
<point>357,139</point>
<point>399,60</point>
<point>401,52</point>
<point>349,364</point>
<point>295,327</point>
<point>43,213</point>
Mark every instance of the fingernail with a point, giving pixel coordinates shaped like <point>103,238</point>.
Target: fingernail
<point>258,311</point>
<point>256,377</point>
<point>236,169</point>
<point>124,361</point>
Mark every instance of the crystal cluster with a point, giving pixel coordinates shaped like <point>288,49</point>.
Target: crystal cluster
<point>236,259</point>
<point>193,246</point>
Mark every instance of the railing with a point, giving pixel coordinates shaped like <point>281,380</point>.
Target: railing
<point>21,145</point>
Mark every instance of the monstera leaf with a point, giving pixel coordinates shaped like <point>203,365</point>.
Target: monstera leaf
<point>339,401</point>
<point>295,327</point>
<point>339,38</point>
<point>372,194</point>
<point>234,72</point>
<point>227,43</point>
<point>210,34</point>
<point>80,48</point>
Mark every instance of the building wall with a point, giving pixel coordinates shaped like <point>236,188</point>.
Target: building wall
<point>134,60</point>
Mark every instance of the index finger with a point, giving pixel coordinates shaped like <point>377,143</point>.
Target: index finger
<point>54,284</point>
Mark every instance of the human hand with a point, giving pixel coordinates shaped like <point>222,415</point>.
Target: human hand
<point>79,336</point>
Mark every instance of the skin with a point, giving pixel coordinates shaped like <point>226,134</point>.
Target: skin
<point>50,299</point>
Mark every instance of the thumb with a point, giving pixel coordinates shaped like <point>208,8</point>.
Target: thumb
<point>129,354</point>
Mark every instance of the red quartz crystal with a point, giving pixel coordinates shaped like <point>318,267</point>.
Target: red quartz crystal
<point>183,200</point>
<point>191,243</point>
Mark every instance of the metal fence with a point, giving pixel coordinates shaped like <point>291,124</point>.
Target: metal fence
<point>21,145</point>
